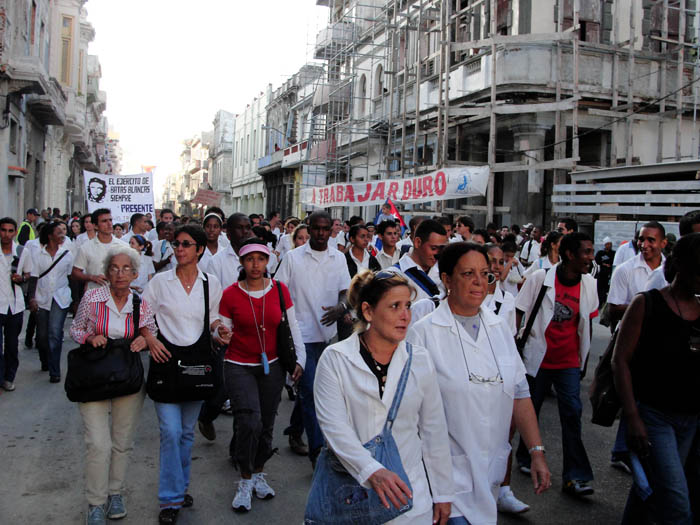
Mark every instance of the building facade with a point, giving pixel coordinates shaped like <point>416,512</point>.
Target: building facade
<point>535,89</point>
<point>52,126</point>
<point>221,157</point>
<point>247,188</point>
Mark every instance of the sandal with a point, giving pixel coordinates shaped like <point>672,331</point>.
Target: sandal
<point>168,516</point>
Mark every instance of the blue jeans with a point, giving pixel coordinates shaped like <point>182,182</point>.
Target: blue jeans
<point>306,395</point>
<point>49,337</point>
<point>567,384</point>
<point>459,520</point>
<point>177,421</point>
<point>10,327</point>
<point>671,437</point>
<point>620,446</point>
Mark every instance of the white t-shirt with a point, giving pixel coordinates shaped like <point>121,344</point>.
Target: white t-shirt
<point>629,279</point>
<point>91,256</point>
<point>315,279</point>
<point>146,270</point>
<point>54,285</point>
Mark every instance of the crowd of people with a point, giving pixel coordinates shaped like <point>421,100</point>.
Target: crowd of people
<point>443,342</point>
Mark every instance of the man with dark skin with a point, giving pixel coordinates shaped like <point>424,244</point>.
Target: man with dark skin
<point>317,278</point>
<point>167,232</point>
<point>12,299</point>
<point>224,264</point>
<point>556,350</point>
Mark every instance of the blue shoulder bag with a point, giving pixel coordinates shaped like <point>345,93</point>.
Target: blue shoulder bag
<point>336,498</point>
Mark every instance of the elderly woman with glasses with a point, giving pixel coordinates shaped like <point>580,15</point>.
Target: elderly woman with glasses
<point>107,313</point>
<point>482,384</point>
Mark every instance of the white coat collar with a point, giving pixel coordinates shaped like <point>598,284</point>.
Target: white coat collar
<point>350,349</point>
<point>443,316</point>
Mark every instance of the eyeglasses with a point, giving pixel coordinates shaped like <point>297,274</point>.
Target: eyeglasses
<point>488,276</point>
<point>114,270</point>
<point>475,378</point>
<point>184,244</point>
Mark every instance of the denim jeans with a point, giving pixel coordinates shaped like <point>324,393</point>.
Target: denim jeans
<point>177,422</point>
<point>49,337</point>
<point>671,438</point>
<point>10,327</point>
<point>458,520</point>
<point>620,446</point>
<point>306,395</point>
<point>567,383</point>
<point>296,422</point>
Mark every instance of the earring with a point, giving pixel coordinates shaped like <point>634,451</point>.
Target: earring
<point>448,291</point>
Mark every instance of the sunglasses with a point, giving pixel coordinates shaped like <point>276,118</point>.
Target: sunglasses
<point>184,244</point>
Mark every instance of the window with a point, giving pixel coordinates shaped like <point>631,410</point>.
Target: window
<point>363,94</point>
<point>32,21</point>
<point>66,49</point>
<point>379,81</point>
<point>81,59</point>
<point>14,136</point>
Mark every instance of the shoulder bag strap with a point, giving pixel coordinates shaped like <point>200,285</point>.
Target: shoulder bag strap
<point>423,280</point>
<point>401,388</point>
<point>136,314</point>
<point>205,284</point>
<point>533,315</point>
<point>53,264</point>
<point>283,307</point>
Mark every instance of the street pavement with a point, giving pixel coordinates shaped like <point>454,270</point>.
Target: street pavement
<point>42,464</point>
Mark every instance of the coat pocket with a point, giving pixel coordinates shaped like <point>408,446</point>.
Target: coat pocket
<point>498,465</point>
<point>462,474</point>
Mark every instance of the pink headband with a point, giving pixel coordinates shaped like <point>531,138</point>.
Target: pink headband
<point>249,248</point>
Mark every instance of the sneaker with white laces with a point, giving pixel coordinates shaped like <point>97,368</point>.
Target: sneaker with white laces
<point>261,488</point>
<point>115,507</point>
<point>244,493</point>
<point>509,504</point>
<point>96,515</point>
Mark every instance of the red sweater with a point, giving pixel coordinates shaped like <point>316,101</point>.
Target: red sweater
<point>245,345</point>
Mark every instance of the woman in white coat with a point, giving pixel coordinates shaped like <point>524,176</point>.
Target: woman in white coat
<point>482,384</point>
<point>354,387</point>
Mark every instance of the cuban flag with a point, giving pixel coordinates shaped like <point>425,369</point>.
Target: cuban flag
<point>395,213</point>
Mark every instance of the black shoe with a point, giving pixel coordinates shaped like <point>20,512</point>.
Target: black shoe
<point>188,501</point>
<point>207,429</point>
<point>167,516</point>
<point>44,368</point>
<point>296,443</point>
<point>577,488</point>
<point>55,379</point>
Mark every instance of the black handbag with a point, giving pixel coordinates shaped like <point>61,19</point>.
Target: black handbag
<point>605,402</point>
<point>190,373</point>
<point>286,353</point>
<point>96,374</point>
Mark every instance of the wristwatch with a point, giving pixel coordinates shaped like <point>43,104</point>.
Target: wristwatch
<point>537,448</point>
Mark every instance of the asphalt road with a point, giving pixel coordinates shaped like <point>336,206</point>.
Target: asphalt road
<point>42,462</point>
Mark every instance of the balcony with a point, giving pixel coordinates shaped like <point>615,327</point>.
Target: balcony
<point>270,162</point>
<point>49,109</point>
<point>338,94</point>
<point>331,39</point>
<point>75,115</point>
<point>27,75</point>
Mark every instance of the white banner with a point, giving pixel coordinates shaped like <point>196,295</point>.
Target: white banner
<point>447,183</point>
<point>124,195</point>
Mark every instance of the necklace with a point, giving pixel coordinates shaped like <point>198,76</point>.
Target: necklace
<point>381,370</point>
<point>260,329</point>
<point>187,287</point>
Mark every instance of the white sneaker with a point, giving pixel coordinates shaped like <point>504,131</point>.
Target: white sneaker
<point>261,488</point>
<point>509,504</point>
<point>241,501</point>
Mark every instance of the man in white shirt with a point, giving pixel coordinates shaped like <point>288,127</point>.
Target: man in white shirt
<point>388,233</point>
<point>631,277</point>
<point>137,226</point>
<point>163,253</point>
<point>405,245</point>
<point>317,278</point>
<point>225,264</point>
<point>167,216</point>
<point>531,249</point>
<point>628,280</point>
<point>689,223</point>
<point>420,265</point>
<point>11,304</point>
<point>90,257</point>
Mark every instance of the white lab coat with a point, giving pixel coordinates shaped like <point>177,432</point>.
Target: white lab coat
<point>507,309</point>
<point>350,413</point>
<point>536,344</point>
<point>478,415</point>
